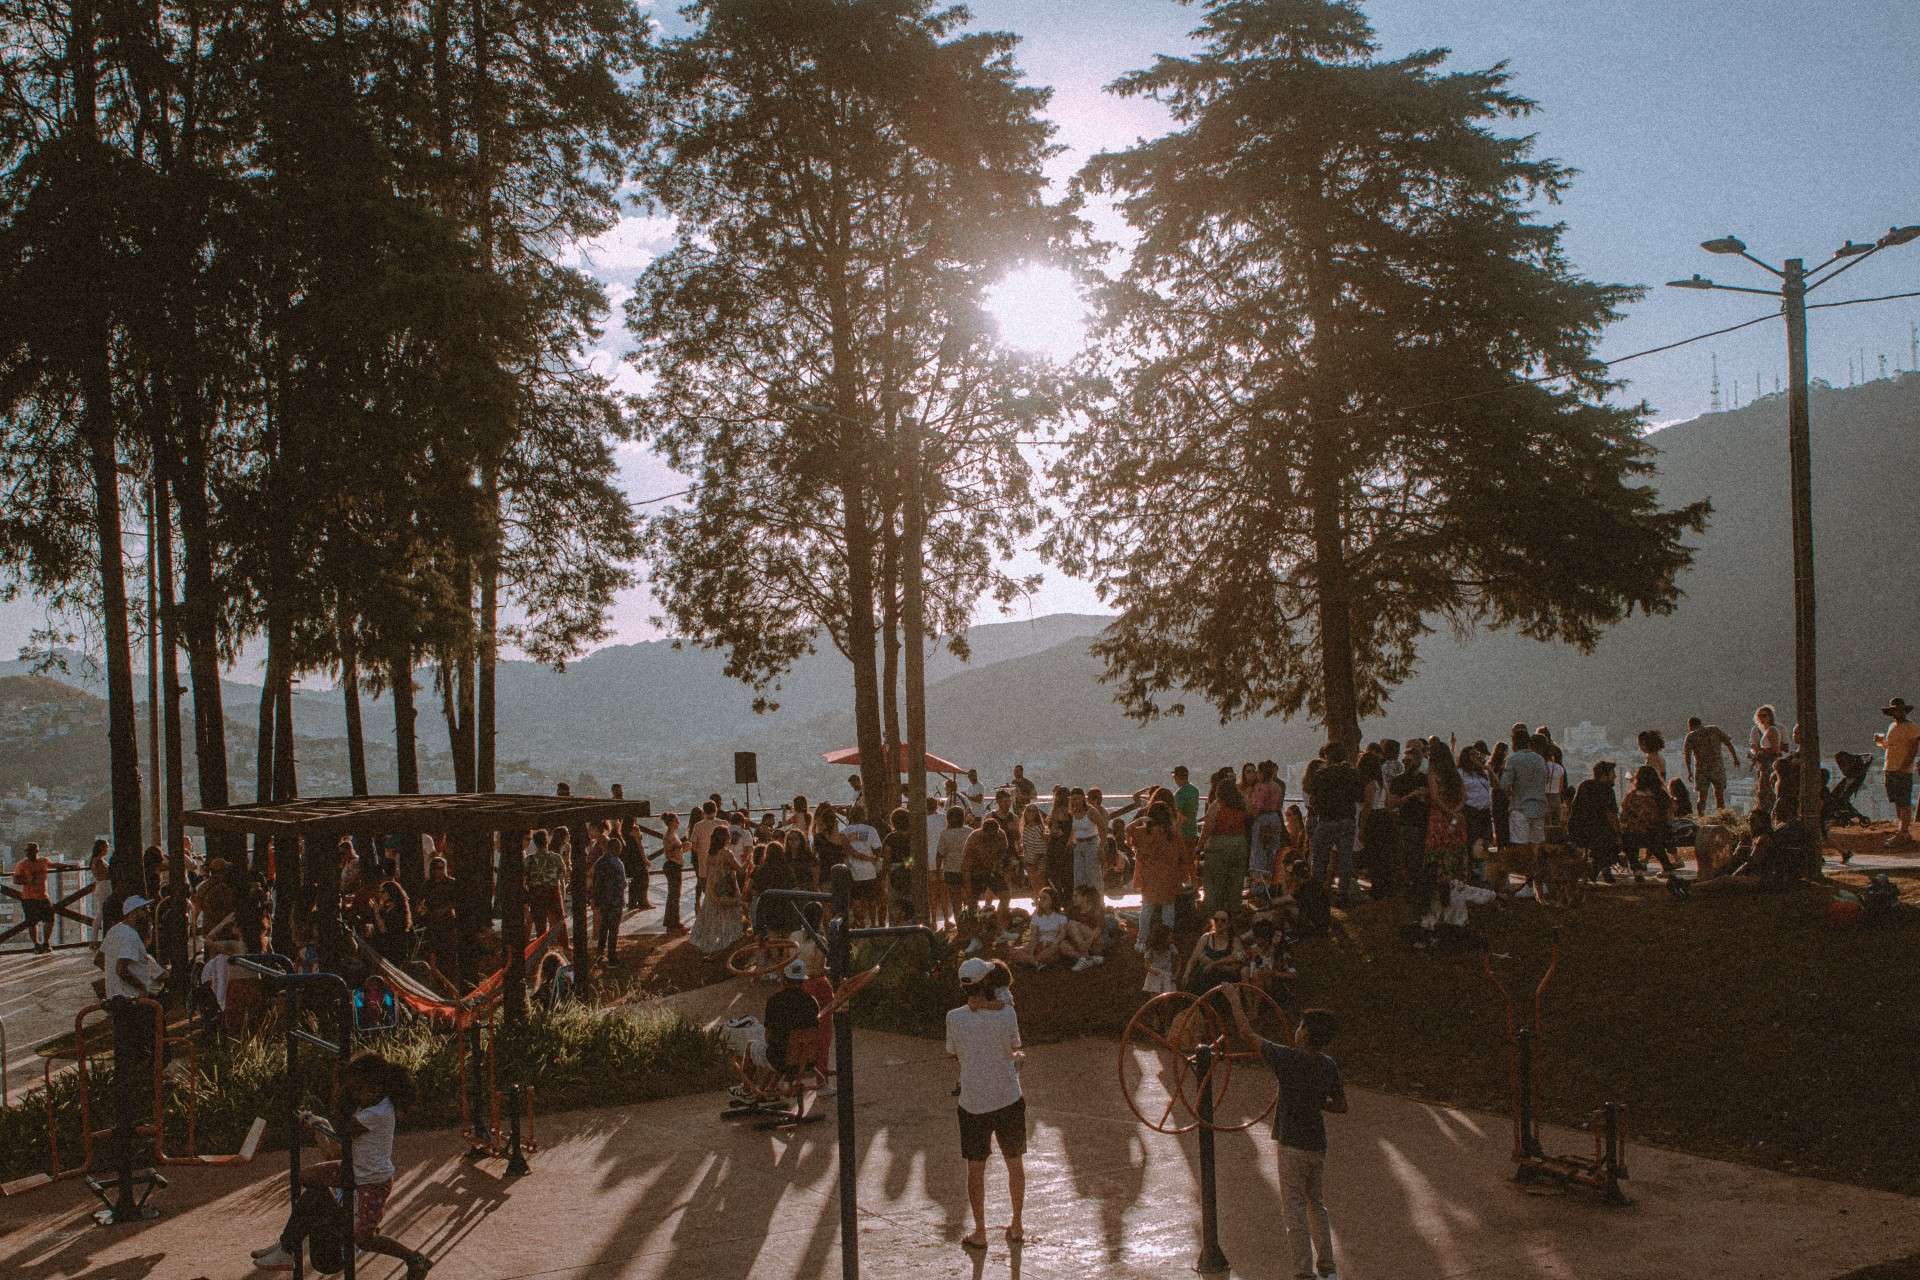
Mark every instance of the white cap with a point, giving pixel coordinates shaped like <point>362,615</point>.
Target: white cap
<point>133,903</point>
<point>796,970</point>
<point>974,969</point>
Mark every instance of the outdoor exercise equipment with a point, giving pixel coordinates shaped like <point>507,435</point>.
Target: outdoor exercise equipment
<point>840,939</point>
<point>483,1102</point>
<point>1608,1167</point>
<point>332,996</point>
<point>1177,1063</point>
<point>787,1102</point>
<point>171,1053</point>
<point>756,957</point>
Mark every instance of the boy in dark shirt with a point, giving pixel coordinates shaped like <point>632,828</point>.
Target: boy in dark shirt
<point>1594,825</point>
<point>790,1009</point>
<point>1309,1086</point>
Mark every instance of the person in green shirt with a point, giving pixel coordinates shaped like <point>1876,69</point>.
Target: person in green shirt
<point>546,872</point>
<point>1186,802</point>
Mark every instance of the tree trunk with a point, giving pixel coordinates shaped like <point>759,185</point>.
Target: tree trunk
<point>286,785</point>
<point>513,924</point>
<point>456,708</point>
<point>200,622</point>
<point>406,756</point>
<point>890,664</point>
<point>1333,601</point>
<point>914,566</point>
<point>484,732</point>
<point>875,770</point>
<point>172,830</point>
<point>263,749</point>
<point>472,859</point>
<point>97,428</point>
<point>350,698</point>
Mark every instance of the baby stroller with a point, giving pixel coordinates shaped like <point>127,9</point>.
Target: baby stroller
<point>1840,810</point>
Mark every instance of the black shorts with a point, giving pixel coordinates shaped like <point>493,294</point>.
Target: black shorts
<point>38,911</point>
<point>1007,1126</point>
<point>952,879</point>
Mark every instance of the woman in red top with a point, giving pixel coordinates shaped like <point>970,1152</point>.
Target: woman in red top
<point>1224,837</point>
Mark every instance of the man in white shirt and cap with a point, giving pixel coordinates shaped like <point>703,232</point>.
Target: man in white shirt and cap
<point>984,1034</point>
<point>131,975</point>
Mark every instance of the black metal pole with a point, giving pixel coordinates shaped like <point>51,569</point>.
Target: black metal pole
<point>1529,1140</point>
<point>293,1118</point>
<point>839,961</point>
<point>516,1156</point>
<point>1212,1258</point>
<point>1806,701</point>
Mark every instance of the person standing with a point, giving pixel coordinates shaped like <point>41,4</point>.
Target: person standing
<point>1525,778</point>
<point>973,795</point>
<point>1224,840</point>
<point>1335,797</point>
<point>700,834</point>
<point>1186,806</point>
<point>984,1034</point>
<point>609,882</point>
<point>1700,755</point>
<point>863,863</point>
<point>673,850</point>
<point>546,890</point>
<point>30,878</point>
<point>1267,802</point>
<point>1765,746</point>
<point>1309,1087</point>
<point>132,975</point>
<point>100,867</point>
<point>1901,742</point>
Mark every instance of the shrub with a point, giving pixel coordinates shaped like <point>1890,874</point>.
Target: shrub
<point>576,1056</point>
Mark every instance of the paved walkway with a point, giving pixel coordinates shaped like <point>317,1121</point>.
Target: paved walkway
<point>665,1190</point>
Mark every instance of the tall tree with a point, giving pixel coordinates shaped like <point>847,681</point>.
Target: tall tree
<point>848,181</point>
<point>1345,389</point>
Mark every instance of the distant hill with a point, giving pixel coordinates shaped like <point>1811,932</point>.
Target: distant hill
<point>666,720</point>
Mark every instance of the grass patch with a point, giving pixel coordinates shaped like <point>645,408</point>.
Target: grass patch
<point>576,1057</point>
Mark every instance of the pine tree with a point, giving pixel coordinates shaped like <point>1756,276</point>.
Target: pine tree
<point>1346,388</point>
<point>847,181</point>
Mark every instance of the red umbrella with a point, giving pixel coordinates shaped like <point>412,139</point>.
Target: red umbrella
<point>851,756</point>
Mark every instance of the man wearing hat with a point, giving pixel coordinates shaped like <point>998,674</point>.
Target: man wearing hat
<point>1900,742</point>
<point>790,1010</point>
<point>984,1034</point>
<point>131,975</point>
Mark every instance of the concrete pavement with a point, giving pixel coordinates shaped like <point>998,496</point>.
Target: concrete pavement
<point>667,1190</point>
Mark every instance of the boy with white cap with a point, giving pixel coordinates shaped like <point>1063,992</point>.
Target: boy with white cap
<point>984,1034</point>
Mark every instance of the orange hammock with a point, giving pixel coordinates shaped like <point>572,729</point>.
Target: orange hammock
<point>425,1002</point>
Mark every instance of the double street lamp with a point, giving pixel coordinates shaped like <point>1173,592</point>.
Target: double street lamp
<point>1796,281</point>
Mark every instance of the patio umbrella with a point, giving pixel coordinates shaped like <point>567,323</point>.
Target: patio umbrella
<point>851,756</point>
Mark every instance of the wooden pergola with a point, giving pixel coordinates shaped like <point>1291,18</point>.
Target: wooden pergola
<point>467,818</point>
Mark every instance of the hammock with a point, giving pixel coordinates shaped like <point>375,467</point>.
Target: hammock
<point>423,1001</point>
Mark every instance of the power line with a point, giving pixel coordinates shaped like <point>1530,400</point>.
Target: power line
<point>1853,302</point>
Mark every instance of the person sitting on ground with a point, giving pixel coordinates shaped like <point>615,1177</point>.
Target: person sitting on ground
<point>1215,957</point>
<point>1051,935</point>
<point>1266,965</point>
<point>372,1089</point>
<point>1594,826</point>
<point>1307,907</point>
<point>1088,912</point>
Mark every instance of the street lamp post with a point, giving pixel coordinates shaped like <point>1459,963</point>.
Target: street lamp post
<point>1795,283</point>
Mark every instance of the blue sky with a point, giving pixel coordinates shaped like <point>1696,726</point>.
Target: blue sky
<point>1790,124</point>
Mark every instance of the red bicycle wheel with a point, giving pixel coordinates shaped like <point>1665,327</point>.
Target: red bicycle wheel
<point>1248,1096</point>
<point>1157,1074</point>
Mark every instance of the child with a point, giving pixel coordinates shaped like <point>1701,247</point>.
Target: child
<point>1159,959</point>
<point>371,1088</point>
<point>1309,1086</point>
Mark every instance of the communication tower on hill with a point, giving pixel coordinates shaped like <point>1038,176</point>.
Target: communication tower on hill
<point>1714,403</point>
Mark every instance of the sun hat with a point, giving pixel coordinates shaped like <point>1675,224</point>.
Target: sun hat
<point>133,903</point>
<point>1896,707</point>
